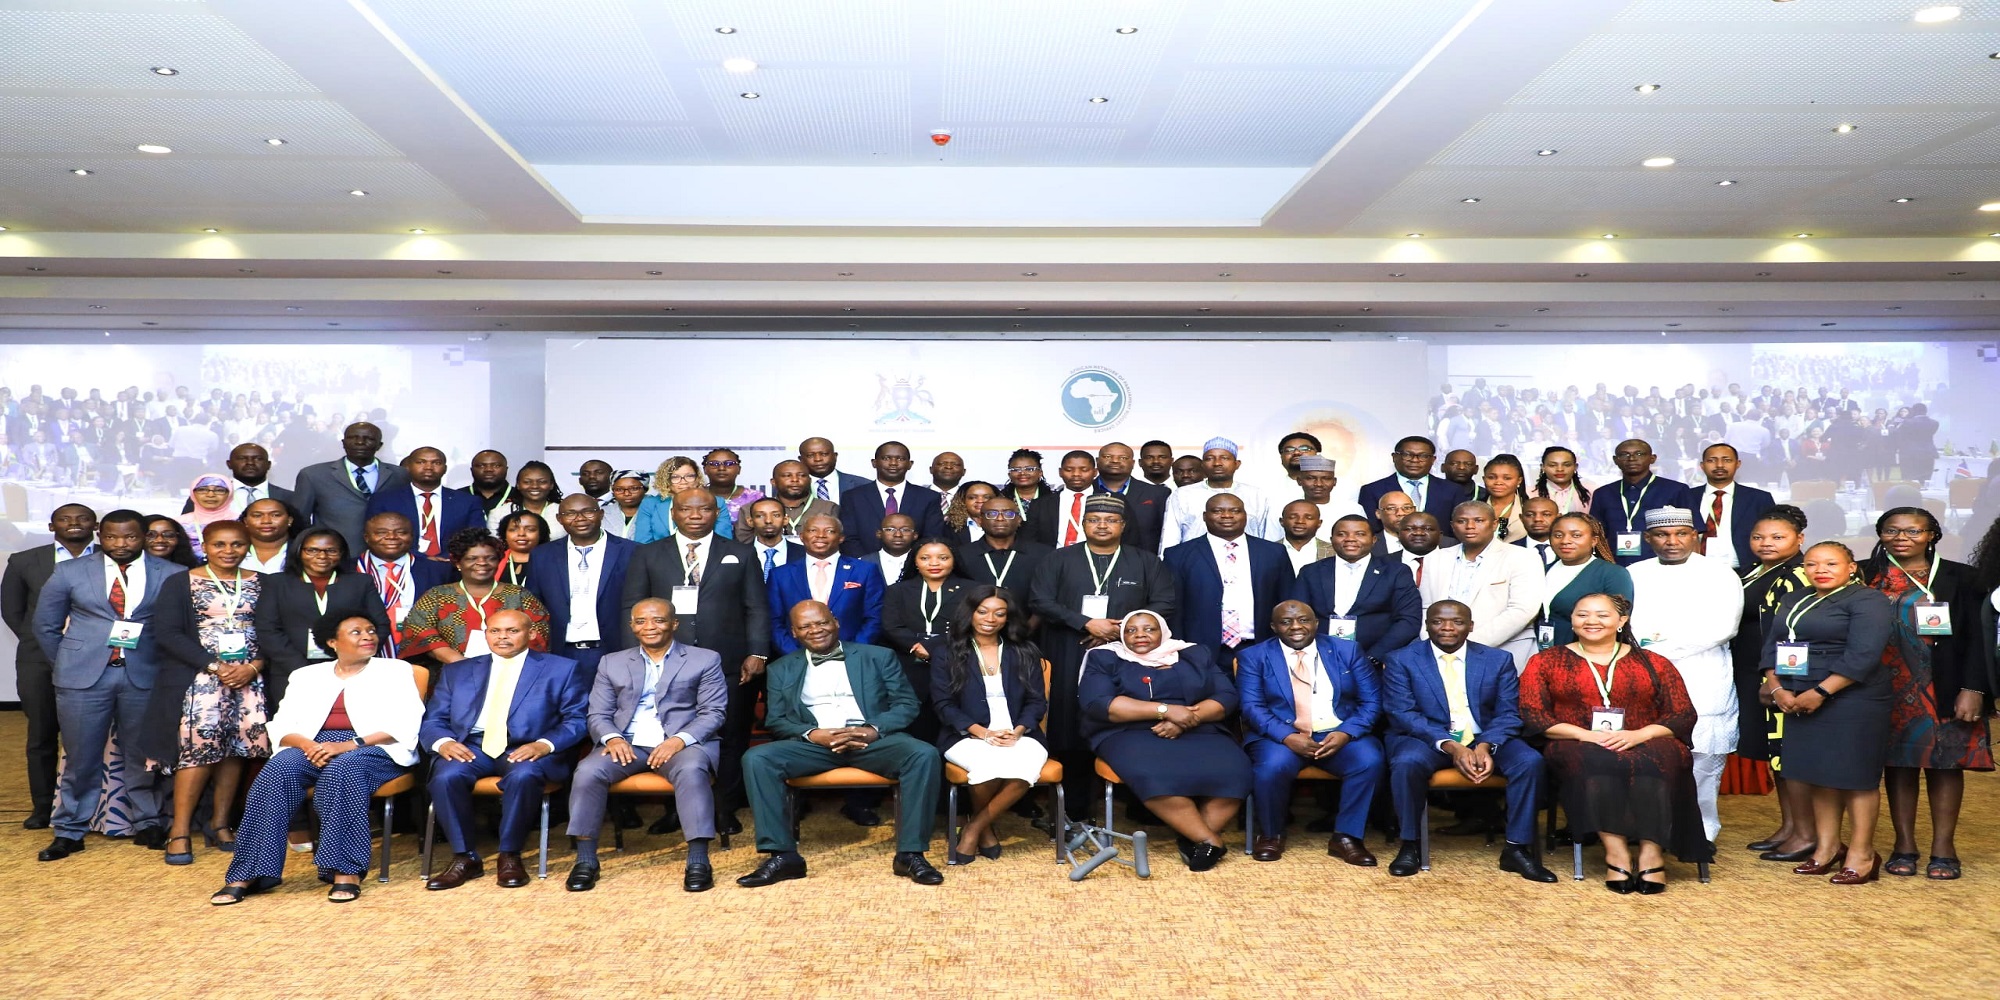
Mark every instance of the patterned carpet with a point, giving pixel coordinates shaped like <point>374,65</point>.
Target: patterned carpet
<point>115,921</point>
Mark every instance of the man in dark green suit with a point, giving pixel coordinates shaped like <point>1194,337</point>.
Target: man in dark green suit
<point>832,704</point>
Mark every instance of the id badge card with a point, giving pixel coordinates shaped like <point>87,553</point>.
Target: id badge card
<point>1096,606</point>
<point>1545,636</point>
<point>125,635</point>
<point>687,601</point>
<point>1341,626</point>
<point>232,647</point>
<point>1605,719</point>
<point>1628,543</point>
<point>1792,658</point>
<point>1933,618</point>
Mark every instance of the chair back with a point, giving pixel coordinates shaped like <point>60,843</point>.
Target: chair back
<point>422,675</point>
<point>1047,668</point>
<point>1813,489</point>
<point>1964,493</point>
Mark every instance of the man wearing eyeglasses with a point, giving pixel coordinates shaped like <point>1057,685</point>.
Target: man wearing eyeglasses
<point>1001,556</point>
<point>1430,494</point>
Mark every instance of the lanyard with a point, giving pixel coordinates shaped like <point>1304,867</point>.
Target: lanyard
<point>395,598</point>
<point>1792,620</point>
<point>471,606</point>
<point>792,523</point>
<point>1610,671</point>
<point>1552,592</point>
<point>1000,575</point>
<point>513,572</point>
<point>1100,581</point>
<point>930,613</point>
<point>1755,575</point>
<point>320,599</point>
<point>1632,509</point>
<point>1930,575</point>
<point>236,596</point>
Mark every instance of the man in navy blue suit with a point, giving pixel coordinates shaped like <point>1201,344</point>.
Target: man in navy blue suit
<point>1413,459</point>
<point>863,507</point>
<point>1726,509</point>
<point>514,713</point>
<point>827,482</point>
<point>434,511</point>
<point>852,588</point>
<point>1227,579</point>
<point>399,577</point>
<point>1360,595</point>
<point>1454,703</point>
<point>580,579</point>
<point>1309,700</point>
<point>1621,506</point>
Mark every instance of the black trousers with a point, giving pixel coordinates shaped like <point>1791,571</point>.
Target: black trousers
<point>35,679</point>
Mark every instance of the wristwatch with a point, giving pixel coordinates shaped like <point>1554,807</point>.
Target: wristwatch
<point>1823,693</point>
<point>1162,708</point>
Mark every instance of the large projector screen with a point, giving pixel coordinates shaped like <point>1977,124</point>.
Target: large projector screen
<point>981,399</point>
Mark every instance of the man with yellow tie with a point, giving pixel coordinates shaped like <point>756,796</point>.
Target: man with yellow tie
<point>1454,703</point>
<point>513,713</point>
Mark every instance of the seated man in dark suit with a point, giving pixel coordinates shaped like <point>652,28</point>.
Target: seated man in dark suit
<point>1455,703</point>
<point>833,704</point>
<point>1360,595</point>
<point>863,507</point>
<point>655,708</point>
<point>514,713</point>
<point>434,511</point>
<point>1309,701</point>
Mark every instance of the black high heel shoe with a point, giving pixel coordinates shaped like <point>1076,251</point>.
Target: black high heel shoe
<point>990,853</point>
<point>1649,888</point>
<point>1622,886</point>
<point>1789,857</point>
<point>953,857</point>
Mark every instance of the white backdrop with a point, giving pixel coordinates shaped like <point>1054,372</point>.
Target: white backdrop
<point>981,399</point>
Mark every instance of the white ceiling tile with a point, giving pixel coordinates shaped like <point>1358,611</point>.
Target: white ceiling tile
<point>995,71</point>
<point>817,116</point>
<point>1699,140</point>
<point>1000,146</point>
<point>1805,12</point>
<point>40,48</point>
<point>1238,117</point>
<point>191,126</point>
<point>588,143</point>
<point>1328,32</point>
<point>1716,67</point>
<point>795,32</point>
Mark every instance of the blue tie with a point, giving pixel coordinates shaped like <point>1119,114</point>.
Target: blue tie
<point>770,562</point>
<point>821,490</point>
<point>583,557</point>
<point>361,482</point>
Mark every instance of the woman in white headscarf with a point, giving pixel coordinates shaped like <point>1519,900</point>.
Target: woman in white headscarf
<point>1153,708</point>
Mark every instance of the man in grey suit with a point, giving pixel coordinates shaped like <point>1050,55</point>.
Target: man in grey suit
<point>94,622</point>
<point>658,707</point>
<point>28,571</point>
<point>336,493</point>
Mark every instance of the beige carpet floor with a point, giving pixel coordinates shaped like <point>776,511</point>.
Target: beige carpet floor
<point>116,922</point>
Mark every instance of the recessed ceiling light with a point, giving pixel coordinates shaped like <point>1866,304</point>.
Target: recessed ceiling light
<point>1368,309</point>
<point>1993,234</point>
<point>1763,274</point>
<point>165,71</point>
<point>293,309</point>
<point>3,229</point>
<point>444,272</point>
<point>1829,324</point>
<point>1542,309</point>
<point>274,141</point>
<point>1224,274</point>
<point>1468,201</point>
<point>419,232</point>
<point>1414,236</point>
<point>1099,100</point>
<point>1657,161</point>
<point>1801,236</point>
<point>1937,15</point>
<point>1902,201</point>
<point>1893,308</point>
<point>739,65</point>
<point>1546,152</point>
<point>82,171</point>
<point>1610,236</point>
<point>1991,206</point>
<point>1020,309</point>
<point>1954,273</point>
<point>1583,274</point>
<point>656,273</point>
<point>1029,274</point>
<point>358,193</point>
<point>210,230</point>
<point>1502,326</point>
<point>154,148</point>
<point>1844,127</point>
<point>1396,274</point>
<point>1128,31</point>
<point>1647,88</point>
<point>1724,184</point>
<point>846,274</point>
<point>725,31</point>
<point>1201,309</point>
<point>749,95</point>
<point>247,270</point>
<point>148,322</point>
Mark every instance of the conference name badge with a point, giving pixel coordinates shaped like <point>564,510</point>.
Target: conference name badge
<point>1792,658</point>
<point>1605,719</point>
<point>687,600</point>
<point>1933,618</point>
<point>125,635</point>
<point>1462,737</point>
<point>1341,626</point>
<point>1545,636</point>
<point>232,647</point>
<point>1628,543</point>
<point>1096,606</point>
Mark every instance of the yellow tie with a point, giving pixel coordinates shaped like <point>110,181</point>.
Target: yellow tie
<point>500,681</point>
<point>1456,698</point>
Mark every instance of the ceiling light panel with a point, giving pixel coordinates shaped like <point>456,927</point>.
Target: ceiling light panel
<point>1708,62</point>
<point>779,33</point>
<point>1802,138</point>
<point>82,49</point>
<point>996,72</point>
<point>200,126</point>
<point>816,116</point>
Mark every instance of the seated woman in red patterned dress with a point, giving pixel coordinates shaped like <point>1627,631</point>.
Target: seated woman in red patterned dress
<point>448,622</point>
<point>1618,723</point>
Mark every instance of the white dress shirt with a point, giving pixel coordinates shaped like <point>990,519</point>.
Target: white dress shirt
<point>1301,557</point>
<point>1347,580</point>
<point>1236,590</point>
<point>242,494</point>
<point>645,731</point>
<point>777,553</point>
<point>819,576</point>
<point>826,487</point>
<point>275,564</point>
<point>690,567</point>
<point>1323,715</point>
<point>372,472</point>
<point>397,596</point>
<point>828,693</point>
<point>1724,549</point>
<point>436,518</point>
<point>134,580</point>
<point>585,573</point>
<point>1454,683</point>
<point>1062,499</point>
<point>892,566</point>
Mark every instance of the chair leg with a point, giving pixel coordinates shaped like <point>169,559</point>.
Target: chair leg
<point>617,831</point>
<point>1424,839</point>
<point>1109,826</point>
<point>1249,822</point>
<point>1059,822</point>
<point>1576,853</point>
<point>544,873</point>
<point>950,818</point>
<point>896,810</point>
<point>1701,871</point>
<point>430,836</point>
<point>388,830</point>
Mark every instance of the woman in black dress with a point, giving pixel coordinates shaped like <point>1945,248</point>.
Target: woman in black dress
<point>1775,540</point>
<point>315,585</point>
<point>1153,708</point>
<point>917,614</point>
<point>1823,657</point>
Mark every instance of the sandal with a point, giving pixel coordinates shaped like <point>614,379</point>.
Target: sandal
<point>344,892</point>
<point>1622,886</point>
<point>1650,888</point>
<point>230,895</point>
<point>214,838</point>
<point>1901,864</point>
<point>180,857</point>
<point>1941,869</point>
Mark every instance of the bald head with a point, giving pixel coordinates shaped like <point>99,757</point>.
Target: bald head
<point>507,633</point>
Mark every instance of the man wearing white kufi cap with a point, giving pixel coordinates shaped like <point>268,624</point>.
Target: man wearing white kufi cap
<point>1184,508</point>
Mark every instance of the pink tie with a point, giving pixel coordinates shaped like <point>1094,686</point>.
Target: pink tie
<point>1232,623</point>
<point>822,582</point>
<point>1302,693</point>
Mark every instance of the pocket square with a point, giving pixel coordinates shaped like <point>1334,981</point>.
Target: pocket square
<point>851,585</point>
<point>726,560</point>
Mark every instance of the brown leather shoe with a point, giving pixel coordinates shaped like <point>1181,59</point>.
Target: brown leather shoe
<point>1350,850</point>
<point>1267,849</point>
<point>462,869</point>
<point>510,872</point>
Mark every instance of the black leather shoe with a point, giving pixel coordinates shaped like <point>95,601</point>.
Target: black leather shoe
<point>1205,856</point>
<point>1515,858</point>
<point>60,848</point>
<point>699,877</point>
<point>1789,857</point>
<point>1409,860</point>
<point>665,824</point>
<point>36,821</point>
<point>776,868</point>
<point>151,837</point>
<point>582,877</point>
<point>1760,846</point>
<point>861,815</point>
<point>914,866</point>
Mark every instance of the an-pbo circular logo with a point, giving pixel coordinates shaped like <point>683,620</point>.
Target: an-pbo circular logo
<point>1095,397</point>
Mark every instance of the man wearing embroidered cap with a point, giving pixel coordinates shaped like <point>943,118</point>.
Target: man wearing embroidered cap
<point>1184,509</point>
<point>1686,607</point>
<point>1316,481</point>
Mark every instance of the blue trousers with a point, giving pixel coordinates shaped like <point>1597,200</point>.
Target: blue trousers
<point>1412,762</point>
<point>85,717</point>
<point>342,792</point>
<point>586,664</point>
<point>520,794</point>
<point>1274,767</point>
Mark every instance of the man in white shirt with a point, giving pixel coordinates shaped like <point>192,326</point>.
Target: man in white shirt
<point>1316,479</point>
<point>1184,509</point>
<point>1420,535</point>
<point>1057,518</point>
<point>826,481</point>
<point>1725,510</point>
<point>1302,530</point>
<point>1502,584</point>
<point>897,536</point>
<point>765,520</point>
<point>1686,607</point>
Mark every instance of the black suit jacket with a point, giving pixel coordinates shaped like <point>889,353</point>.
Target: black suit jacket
<point>20,588</point>
<point>971,563</point>
<point>1440,496</point>
<point>734,614</point>
<point>861,514</point>
<point>285,614</point>
<point>959,711</point>
<point>1145,512</point>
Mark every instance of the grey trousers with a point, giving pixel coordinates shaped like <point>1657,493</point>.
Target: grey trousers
<point>692,770</point>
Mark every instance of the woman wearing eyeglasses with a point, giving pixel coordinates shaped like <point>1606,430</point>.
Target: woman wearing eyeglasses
<point>1025,484</point>
<point>1937,715</point>
<point>655,520</point>
<point>722,466</point>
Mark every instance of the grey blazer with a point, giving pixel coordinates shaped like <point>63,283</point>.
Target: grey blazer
<point>326,494</point>
<point>28,571</point>
<point>73,622</point>
<point>692,695</point>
